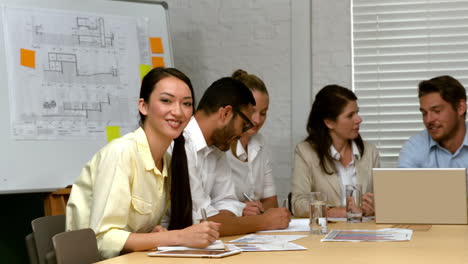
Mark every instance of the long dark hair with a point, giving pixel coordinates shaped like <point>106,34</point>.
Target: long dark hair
<point>181,196</point>
<point>329,103</point>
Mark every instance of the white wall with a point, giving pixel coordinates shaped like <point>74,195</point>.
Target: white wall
<point>212,38</point>
<point>331,43</point>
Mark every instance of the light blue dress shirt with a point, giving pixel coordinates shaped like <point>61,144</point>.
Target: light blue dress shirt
<point>421,151</point>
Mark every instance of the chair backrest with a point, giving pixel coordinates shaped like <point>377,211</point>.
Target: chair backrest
<point>289,203</point>
<point>76,247</point>
<point>31,248</point>
<point>44,228</point>
<point>55,203</point>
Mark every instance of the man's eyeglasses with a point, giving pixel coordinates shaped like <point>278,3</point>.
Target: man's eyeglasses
<point>248,124</point>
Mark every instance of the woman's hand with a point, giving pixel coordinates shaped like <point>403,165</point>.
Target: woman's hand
<point>368,204</point>
<point>199,235</point>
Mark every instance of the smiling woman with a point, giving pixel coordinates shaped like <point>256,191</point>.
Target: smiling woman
<point>249,157</point>
<point>125,191</point>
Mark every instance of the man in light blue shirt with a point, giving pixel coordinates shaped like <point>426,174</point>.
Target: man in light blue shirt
<point>444,142</point>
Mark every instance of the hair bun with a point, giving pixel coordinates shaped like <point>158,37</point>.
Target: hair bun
<point>239,74</point>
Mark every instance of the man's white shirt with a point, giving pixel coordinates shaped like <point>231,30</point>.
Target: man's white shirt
<point>211,183</point>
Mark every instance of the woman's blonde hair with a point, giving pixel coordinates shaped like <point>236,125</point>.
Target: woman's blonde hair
<point>250,80</point>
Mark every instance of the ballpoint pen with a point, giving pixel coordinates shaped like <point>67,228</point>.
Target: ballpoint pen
<point>250,200</point>
<point>203,214</point>
<point>247,197</point>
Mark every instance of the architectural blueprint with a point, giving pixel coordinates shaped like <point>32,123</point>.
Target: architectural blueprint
<point>70,75</point>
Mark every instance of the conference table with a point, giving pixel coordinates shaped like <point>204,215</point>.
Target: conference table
<point>446,244</point>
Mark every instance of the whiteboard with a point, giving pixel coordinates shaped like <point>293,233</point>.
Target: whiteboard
<point>46,165</point>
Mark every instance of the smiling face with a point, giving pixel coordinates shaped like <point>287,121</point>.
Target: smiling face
<point>440,118</point>
<point>168,109</point>
<point>260,110</point>
<point>222,138</point>
<point>346,125</point>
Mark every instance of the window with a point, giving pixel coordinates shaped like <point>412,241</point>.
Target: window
<point>396,44</point>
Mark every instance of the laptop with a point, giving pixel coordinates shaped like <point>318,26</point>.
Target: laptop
<point>420,196</point>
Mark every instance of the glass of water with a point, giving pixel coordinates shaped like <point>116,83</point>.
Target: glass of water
<point>318,213</point>
<point>353,203</point>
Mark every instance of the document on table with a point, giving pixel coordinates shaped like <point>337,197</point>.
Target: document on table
<point>269,247</point>
<point>296,225</point>
<point>218,244</point>
<point>387,234</point>
<point>266,239</point>
<point>343,219</point>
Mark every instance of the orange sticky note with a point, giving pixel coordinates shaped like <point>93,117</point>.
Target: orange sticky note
<point>156,45</point>
<point>157,61</point>
<point>28,58</point>
<point>112,132</point>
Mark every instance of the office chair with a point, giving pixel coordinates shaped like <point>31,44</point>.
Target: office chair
<point>44,228</point>
<point>289,203</point>
<point>76,247</point>
<point>31,249</point>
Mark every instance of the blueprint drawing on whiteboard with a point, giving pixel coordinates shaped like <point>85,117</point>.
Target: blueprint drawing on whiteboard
<point>71,74</point>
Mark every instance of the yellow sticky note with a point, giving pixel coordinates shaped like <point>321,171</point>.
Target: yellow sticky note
<point>112,132</point>
<point>144,69</point>
<point>157,61</point>
<point>28,58</point>
<point>156,45</point>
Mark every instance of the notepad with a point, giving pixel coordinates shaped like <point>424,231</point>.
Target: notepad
<point>195,253</point>
<point>217,245</point>
<point>216,250</point>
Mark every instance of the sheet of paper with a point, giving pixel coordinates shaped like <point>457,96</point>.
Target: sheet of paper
<point>343,219</point>
<point>218,244</point>
<point>70,73</point>
<point>269,247</point>
<point>387,234</point>
<point>296,225</point>
<point>266,239</point>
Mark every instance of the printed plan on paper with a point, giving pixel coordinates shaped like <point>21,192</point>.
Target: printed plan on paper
<point>71,75</point>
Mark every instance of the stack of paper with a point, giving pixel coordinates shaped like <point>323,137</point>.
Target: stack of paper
<point>296,225</point>
<point>218,244</point>
<point>267,242</point>
<point>217,249</point>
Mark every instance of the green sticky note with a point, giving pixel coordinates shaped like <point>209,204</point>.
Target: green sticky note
<point>112,132</point>
<point>144,69</point>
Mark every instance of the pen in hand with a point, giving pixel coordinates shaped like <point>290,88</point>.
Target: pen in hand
<point>203,214</point>
<point>251,200</point>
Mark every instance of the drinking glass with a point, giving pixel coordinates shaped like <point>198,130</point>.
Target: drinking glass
<point>318,213</point>
<point>353,203</point>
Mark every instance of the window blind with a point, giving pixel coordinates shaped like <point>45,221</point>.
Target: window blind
<point>396,44</point>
